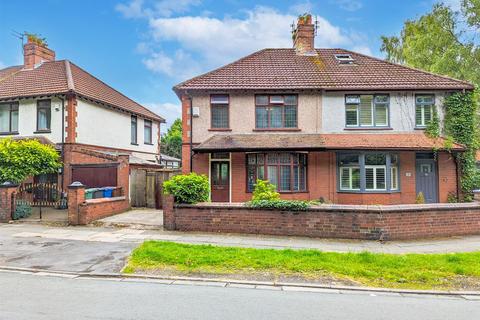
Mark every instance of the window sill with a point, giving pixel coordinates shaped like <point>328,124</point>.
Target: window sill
<point>42,131</point>
<point>287,192</point>
<point>148,144</point>
<point>134,144</point>
<point>13,133</point>
<point>367,128</point>
<point>219,129</point>
<point>278,129</point>
<point>420,128</point>
<point>368,192</point>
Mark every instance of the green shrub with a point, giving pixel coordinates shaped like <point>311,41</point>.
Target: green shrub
<point>452,198</point>
<point>22,210</point>
<point>188,188</point>
<point>264,190</point>
<point>283,205</point>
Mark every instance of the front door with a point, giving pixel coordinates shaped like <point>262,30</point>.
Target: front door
<point>426,178</point>
<point>220,181</point>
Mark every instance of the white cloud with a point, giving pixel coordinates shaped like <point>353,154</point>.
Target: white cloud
<point>302,7</point>
<point>134,9</point>
<point>348,5</point>
<point>169,111</point>
<point>164,8</point>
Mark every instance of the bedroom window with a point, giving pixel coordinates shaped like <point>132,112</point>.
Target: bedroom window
<point>424,109</point>
<point>219,105</point>
<point>44,113</point>
<point>147,132</point>
<point>275,111</point>
<point>133,130</point>
<point>9,117</point>
<point>366,110</point>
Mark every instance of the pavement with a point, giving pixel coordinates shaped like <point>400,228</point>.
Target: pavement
<point>137,218</point>
<point>46,296</point>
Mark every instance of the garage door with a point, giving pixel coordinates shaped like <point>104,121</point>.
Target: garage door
<point>95,176</point>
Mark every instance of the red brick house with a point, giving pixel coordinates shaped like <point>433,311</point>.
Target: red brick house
<point>91,124</point>
<point>327,124</point>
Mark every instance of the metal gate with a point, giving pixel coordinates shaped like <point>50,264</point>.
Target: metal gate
<point>41,195</point>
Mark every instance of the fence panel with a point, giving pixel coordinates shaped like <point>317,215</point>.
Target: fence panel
<point>146,185</point>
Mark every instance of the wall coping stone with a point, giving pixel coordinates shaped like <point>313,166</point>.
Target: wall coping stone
<point>378,209</point>
<point>104,200</point>
<point>8,185</point>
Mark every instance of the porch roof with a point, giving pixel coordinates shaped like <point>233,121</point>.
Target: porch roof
<point>310,142</point>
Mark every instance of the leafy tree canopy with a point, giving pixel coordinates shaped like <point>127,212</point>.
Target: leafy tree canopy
<point>441,41</point>
<point>172,140</point>
<point>22,159</point>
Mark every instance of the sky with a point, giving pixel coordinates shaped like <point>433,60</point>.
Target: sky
<point>145,47</point>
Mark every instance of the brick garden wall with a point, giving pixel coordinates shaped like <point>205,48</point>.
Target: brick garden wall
<point>330,221</point>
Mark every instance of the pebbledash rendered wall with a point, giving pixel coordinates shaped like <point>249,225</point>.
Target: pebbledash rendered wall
<point>398,222</point>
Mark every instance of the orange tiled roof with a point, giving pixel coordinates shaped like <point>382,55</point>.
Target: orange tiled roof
<point>284,69</point>
<point>293,141</point>
<point>61,77</point>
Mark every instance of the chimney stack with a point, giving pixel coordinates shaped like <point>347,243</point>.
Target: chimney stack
<point>304,35</point>
<point>35,52</point>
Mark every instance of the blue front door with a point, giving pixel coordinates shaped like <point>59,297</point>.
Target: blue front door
<point>426,177</point>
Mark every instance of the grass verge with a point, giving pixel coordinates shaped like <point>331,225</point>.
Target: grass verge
<point>416,271</point>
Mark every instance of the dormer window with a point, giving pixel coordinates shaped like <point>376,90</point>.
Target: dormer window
<point>344,58</point>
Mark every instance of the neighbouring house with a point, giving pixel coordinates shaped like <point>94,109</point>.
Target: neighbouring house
<point>92,125</point>
<point>170,162</point>
<point>321,124</point>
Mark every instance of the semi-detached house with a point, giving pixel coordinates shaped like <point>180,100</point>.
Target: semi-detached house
<point>327,124</point>
<point>89,122</point>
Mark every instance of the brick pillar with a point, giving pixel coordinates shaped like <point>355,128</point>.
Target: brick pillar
<point>186,133</point>
<point>7,201</point>
<point>76,196</point>
<point>168,212</point>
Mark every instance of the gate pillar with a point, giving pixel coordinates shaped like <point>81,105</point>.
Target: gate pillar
<point>7,201</point>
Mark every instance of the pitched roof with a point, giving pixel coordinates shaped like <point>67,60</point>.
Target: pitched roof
<point>294,141</point>
<point>61,77</point>
<point>284,69</point>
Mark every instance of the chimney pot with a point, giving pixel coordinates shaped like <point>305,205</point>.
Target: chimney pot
<point>304,36</point>
<point>35,54</point>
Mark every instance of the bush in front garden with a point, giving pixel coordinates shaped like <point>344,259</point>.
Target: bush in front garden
<point>188,188</point>
<point>264,190</point>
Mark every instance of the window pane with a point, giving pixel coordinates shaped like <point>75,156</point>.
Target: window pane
<point>418,116</point>
<point>276,117</point>
<point>219,116</point>
<point>393,178</point>
<point>251,177</point>
<point>43,119</point>
<point>147,133</point>
<point>284,158</point>
<point>261,117</point>
<point>133,130</point>
<point>290,116</point>
<point>219,99</point>
<point>252,159</point>
<point>4,117</point>
<point>352,99</point>
<point>292,100</point>
<point>345,178</point>
<point>276,99</point>
<point>14,127</point>
<point>375,159</point>
<point>272,175</point>
<point>272,158</point>
<point>261,172</point>
<point>427,114</point>
<point>380,178</point>
<point>261,100</point>
<point>381,115</point>
<point>351,115</point>
<point>366,110</point>
<point>355,178</point>
<point>349,160</point>
<point>285,178</point>
<point>369,178</point>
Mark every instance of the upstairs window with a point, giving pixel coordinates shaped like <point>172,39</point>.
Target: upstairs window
<point>424,109</point>
<point>9,117</point>
<point>133,132</point>
<point>44,114</point>
<point>219,105</point>
<point>147,132</point>
<point>366,110</point>
<point>275,111</point>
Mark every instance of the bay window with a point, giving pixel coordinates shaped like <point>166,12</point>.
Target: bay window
<point>368,172</point>
<point>287,171</point>
<point>424,109</point>
<point>275,111</point>
<point>9,117</point>
<point>366,110</point>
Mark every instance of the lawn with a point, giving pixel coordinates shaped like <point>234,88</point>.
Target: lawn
<point>417,271</point>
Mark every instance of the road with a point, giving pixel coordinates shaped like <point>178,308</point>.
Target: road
<point>27,296</point>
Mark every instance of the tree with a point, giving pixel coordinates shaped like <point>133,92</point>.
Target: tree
<point>22,159</point>
<point>440,42</point>
<point>172,140</point>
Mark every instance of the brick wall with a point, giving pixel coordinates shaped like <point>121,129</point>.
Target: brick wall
<point>322,180</point>
<point>331,221</point>
<point>7,202</point>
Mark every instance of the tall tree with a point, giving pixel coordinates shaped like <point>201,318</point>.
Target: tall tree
<point>172,140</point>
<point>440,42</point>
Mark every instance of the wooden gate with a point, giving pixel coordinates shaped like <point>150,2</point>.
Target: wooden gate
<point>146,186</point>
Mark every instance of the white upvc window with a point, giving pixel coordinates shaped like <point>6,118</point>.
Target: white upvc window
<point>366,110</point>
<point>424,109</point>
